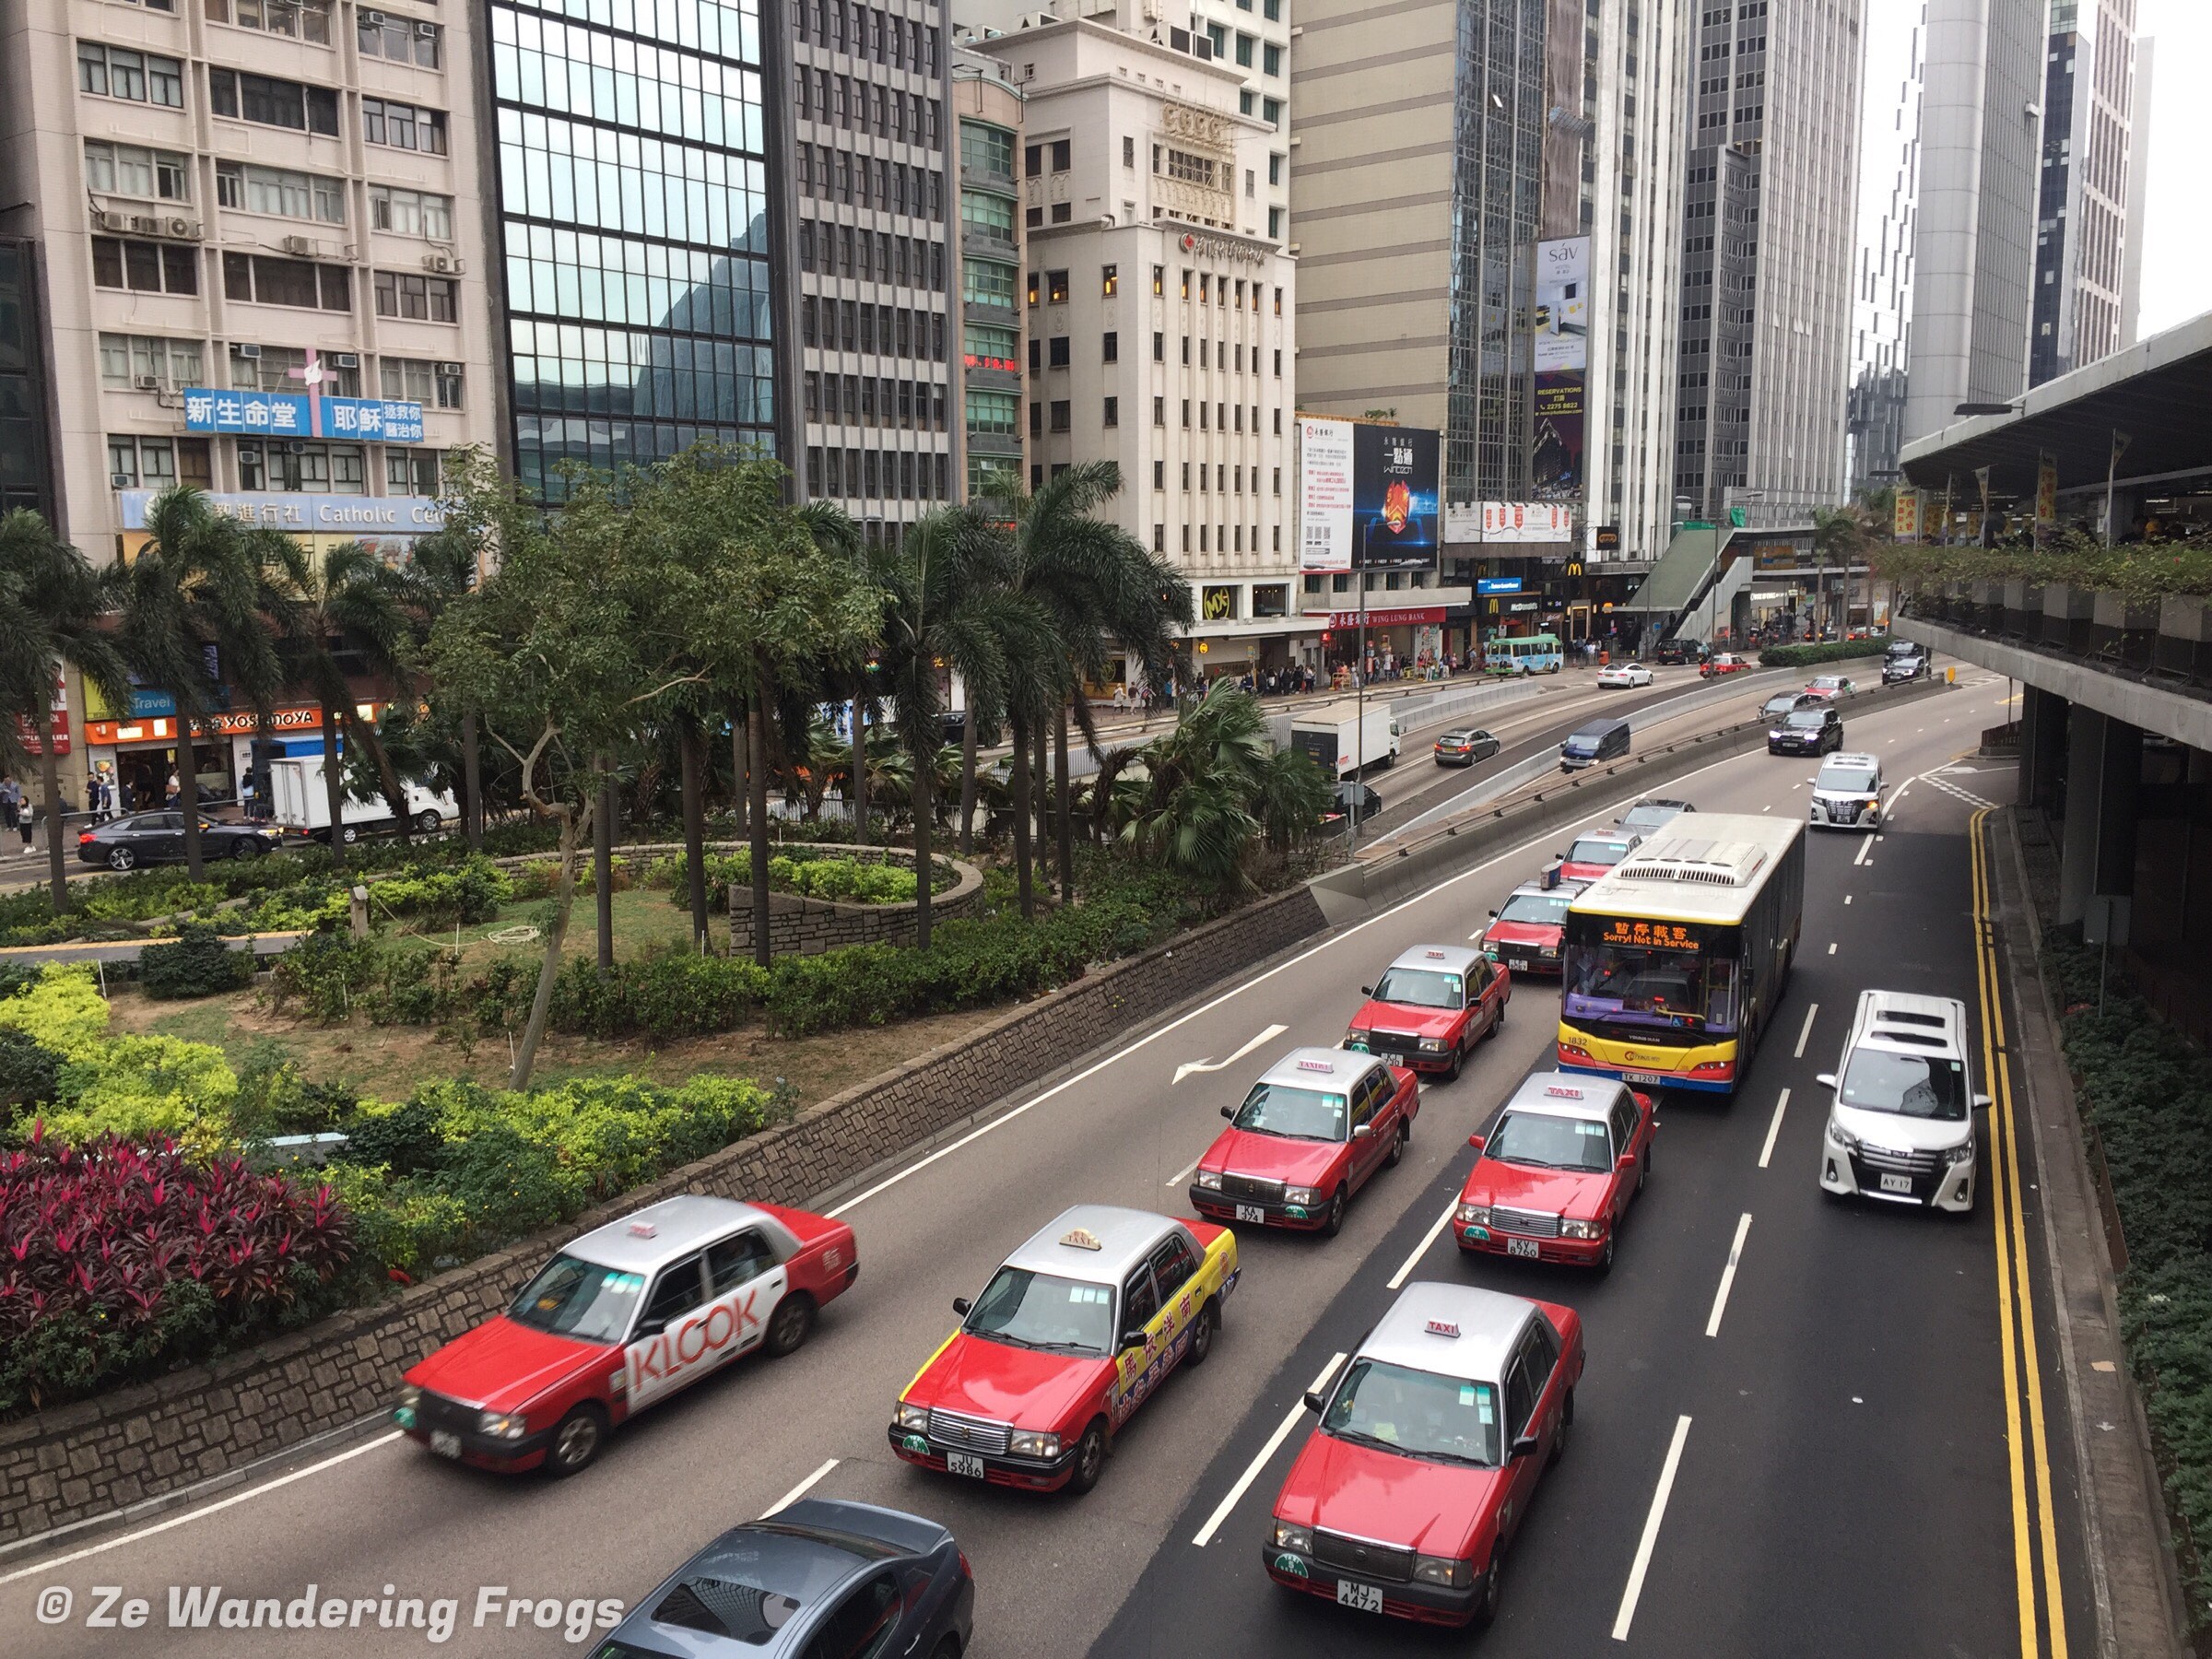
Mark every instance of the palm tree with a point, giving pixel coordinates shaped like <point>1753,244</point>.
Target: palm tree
<point>442,569</point>
<point>1839,534</point>
<point>203,580</point>
<point>52,606</point>
<point>352,602</point>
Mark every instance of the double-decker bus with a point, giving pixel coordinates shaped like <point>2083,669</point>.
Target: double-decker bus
<point>1675,958</point>
<point>1525,654</point>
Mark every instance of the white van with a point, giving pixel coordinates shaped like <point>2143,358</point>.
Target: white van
<point>1900,1120</point>
<point>299,803</point>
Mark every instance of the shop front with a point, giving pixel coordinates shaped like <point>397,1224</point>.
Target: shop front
<point>1401,641</point>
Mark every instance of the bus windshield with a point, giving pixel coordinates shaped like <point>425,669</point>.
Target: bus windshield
<point>1651,985</point>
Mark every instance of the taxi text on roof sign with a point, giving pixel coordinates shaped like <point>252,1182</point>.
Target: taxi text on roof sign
<point>1082,1238</point>
<point>1437,954</point>
<point>1656,934</point>
<point>1316,1066</point>
<point>1563,1091</point>
<point>1442,1327</point>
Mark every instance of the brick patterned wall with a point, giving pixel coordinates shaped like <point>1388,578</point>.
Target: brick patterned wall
<point>88,1460</point>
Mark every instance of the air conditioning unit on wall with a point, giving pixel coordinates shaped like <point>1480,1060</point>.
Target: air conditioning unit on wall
<point>445,264</point>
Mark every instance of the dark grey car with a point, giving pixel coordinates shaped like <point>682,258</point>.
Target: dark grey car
<point>823,1579</point>
<point>148,837</point>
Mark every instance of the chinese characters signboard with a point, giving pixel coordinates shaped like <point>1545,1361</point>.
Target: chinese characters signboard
<point>296,415</point>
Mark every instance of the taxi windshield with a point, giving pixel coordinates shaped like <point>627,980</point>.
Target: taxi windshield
<point>1422,988</point>
<point>1537,910</point>
<point>1415,1412</point>
<point>582,1299</point>
<point>1301,1113</point>
<point>1596,850</point>
<point>1550,1142</point>
<point>1909,1084</point>
<point>1043,1311</point>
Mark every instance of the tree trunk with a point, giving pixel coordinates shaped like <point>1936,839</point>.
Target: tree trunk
<point>50,774</point>
<point>1064,819</point>
<point>602,865</point>
<point>1044,805</point>
<point>739,781</point>
<point>756,733</point>
<point>564,900</point>
<point>860,770</point>
<point>1018,777</point>
<point>472,781</point>
<point>188,796</point>
<point>924,811</point>
<point>695,827</point>
<point>387,777</point>
<point>334,786</point>
<point>968,783</point>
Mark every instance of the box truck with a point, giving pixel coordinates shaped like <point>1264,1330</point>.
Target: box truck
<point>1331,738</point>
<point>299,803</point>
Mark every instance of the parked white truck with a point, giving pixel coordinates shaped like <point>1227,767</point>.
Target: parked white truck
<point>299,803</point>
<point>1331,738</point>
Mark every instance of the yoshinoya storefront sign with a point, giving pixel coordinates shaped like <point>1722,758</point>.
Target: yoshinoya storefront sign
<point>324,514</point>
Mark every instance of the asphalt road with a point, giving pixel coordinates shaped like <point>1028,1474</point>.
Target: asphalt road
<point>1841,1489</point>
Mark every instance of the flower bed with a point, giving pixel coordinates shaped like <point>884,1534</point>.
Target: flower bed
<point>2140,572</point>
<point>1834,651</point>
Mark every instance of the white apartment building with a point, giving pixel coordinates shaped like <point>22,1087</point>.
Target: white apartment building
<point>1160,314</point>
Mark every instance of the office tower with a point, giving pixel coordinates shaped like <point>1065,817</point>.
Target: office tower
<point>2083,231</point>
<point>2138,193</point>
<point>987,106</point>
<point>1253,36</point>
<point>253,231</point>
<point>867,150</point>
<point>26,474</point>
<point>1982,106</point>
<point>633,222</point>
<point>1768,240</point>
<point>1882,294</point>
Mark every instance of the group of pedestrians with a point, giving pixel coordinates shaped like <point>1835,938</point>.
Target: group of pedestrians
<point>16,812</point>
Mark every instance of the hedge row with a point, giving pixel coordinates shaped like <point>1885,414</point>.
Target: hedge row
<point>1835,650</point>
<point>2148,1096</point>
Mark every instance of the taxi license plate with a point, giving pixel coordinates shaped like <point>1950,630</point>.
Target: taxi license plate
<point>1896,1183</point>
<point>1647,1078</point>
<point>1250,1212</point>
<point>1366,1598</point>
<point>1521,1247</point>
<point>1519,964</point>
<point>964,1462</point>
<point>444,1443</point>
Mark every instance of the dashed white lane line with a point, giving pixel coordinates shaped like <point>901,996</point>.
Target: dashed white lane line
<point>1831,948</point>
<point>1864,847</point>
<point>1204,1534</point>
<point>201,1513</point>
<point>1774,1128</point>
<point>1398,1278</point>
<point>1806,1031</point>
<point>1847,898</point>
<point>1645,1544</point>
<point>1720,1297</point>
<point>800,1490</point>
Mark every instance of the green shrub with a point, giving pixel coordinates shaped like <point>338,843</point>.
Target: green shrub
<point>275,1099</point>
<point>30,1072</point>
<point>197,964</point>
<point>1835,650</point>
<point>63,1011</point>
<point>15,977</point>
<point>323,973</point>
<point>139,1085</point>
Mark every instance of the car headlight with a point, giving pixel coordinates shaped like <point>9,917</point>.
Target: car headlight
<point>911,1416</point>
<point>410,1396</point>
<point>1210,1179</point>
<point>502,1425</point>
<point>1582,1229</point>
<point>1443,1569</point>
<point>1474,1215</point>
<point>1302,1196</point>
<point>1433,1046</point>
<point>1961,1153</point>
<point>1355,1038</point>
<point>1773,736</point>
<point>1549,950</point>
<point>1293,1537</point>
<point>1025,1442</point>
<point>1842,1138</point>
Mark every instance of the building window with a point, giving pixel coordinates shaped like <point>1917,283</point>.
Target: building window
<point>1271,111</point>
<point>142,463</point>
<point>264,281</point>
<point>126,359</point>
<point>1063,414</point>
<point>1032,160</point>
<point>118,72</point>
<point>1160,474</point>
<point>281,192</point>
<point>986,149</point>
<point>292,18</point>
<point>1274,170</point>
<point>1128,151</point>
<point>399,38</point>
<point>1245,99</point>
<point>295,467</point>
<point>403,126</point>
<point>284,369</point>
<point>1110,281</point>
<point>1036,420</point>
<point>271,102</point>
<point>1191,169</point>
<point>987,282</point>
<point>129,170</point>
<point>412,380</point>
<point>146,267</point>
<point>1217,38</point>
<point>410,471</point>
<point>1110,348</point>
<point>1275,224</point>
<point>1057,351</point>
<point>1159,538</point>
<point>994,414</point>
<point>1160,279</point>
<point>423,298</point>
<point>411,212</point>
<point>1272,63</point>
<point>1056,287</point>
<point>991,216</point>
<point>1112,413</point>
<point>1245,43</point>
<point>1159,411</point>
<point>1061,155</point>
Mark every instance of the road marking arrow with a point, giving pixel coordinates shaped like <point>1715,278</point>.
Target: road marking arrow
<point>1188,1067</point>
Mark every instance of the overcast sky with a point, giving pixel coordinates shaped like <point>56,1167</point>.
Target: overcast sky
<point>2177,252</point>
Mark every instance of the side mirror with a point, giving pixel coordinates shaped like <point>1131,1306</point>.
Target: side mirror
<point>1524,1445</point>
<point>1316,1401</point>
<point>1367,990</point>
<point>962,1306</point>
<point>1624,1163</point>
<point>1361,1130</point>
<point>1132,1339</point>
<point>649,1327</point>
<point>1475,1141</point>
<point>1493,914</point>
<point>1979,1101</point>
<point>1826,1079</point>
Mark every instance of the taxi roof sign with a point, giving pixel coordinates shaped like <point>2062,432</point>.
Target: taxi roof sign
<point>1566,1091</point>
<point>1317,1066</point>
<point>643,1229</point>
<point>1549,878</point>
<point>1435,955</point>
<point>1442,1327</point>
<point>1081,1238</point>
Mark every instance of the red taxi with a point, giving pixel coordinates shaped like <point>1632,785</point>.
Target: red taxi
<point>1070,1337</point>
<point>1559,1170</point>
<point>1313,1131</point>
<point>1724,662</point>
<point>1528,933</point>
<point>621,1319</point>
<point>1430,1008</point>
<point>1591,856</point>
<point>1404,1500</point>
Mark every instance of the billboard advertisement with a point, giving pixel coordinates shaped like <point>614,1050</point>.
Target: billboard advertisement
<point>1563,363</point>
<point>1324,474</point>
<point>1395,497</point>
<point>1527,522</point>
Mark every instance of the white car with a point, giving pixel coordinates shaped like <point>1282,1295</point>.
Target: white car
<point>1847,792</point>
<point>1900,1126</point>
<point>1624,675</point>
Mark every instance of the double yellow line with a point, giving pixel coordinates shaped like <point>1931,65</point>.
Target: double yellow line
<point>2034,1544</point>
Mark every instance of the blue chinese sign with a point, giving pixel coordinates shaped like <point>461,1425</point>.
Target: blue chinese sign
<point>299,415</point>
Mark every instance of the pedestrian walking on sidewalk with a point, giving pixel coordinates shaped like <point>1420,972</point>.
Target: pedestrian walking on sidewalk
<point>13,811</point>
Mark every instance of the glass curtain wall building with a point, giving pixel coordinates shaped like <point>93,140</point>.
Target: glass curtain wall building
<point>633,221</point>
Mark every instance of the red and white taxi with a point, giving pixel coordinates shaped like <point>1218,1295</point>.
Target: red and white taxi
<point>1528,933</point>
<point>1070,1337</point>
<point>619,1320</point>
<point>1430,1008</point>
<point>1313,1130</point>
<point>1724,662</point>
<point>1591,856</point>
<point>1431,1441</point>
<point>1559,1170</point>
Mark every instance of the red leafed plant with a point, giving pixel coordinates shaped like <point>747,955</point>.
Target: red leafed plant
<point>119,1257</point>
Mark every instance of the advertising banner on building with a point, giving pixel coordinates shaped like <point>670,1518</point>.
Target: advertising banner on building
<point>1463,522</point>
<point>57,717</point>
<point>1905,520</point>
<point>1395,497</point>
<point>1527,522</point>
<point>2046,488</point>
<point>1324,474</point>
<point>1562,364</point>
<point>301,415</point>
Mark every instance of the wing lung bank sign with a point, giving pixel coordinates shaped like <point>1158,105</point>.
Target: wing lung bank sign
<point>1563,363</point>
<point>1368,496</point>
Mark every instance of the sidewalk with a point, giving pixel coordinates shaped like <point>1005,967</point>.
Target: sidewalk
<point>2140,1611</point>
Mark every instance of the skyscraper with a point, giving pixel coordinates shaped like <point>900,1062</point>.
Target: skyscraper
<point>2083,231</point>
<point>1882,296</point>
<point>988,107</point>
<point>1768,239</point>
